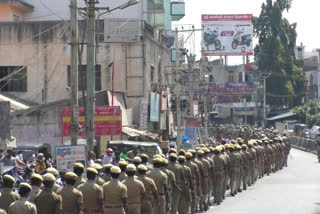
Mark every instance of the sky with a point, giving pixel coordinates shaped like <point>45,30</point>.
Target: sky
<point>304,12</point>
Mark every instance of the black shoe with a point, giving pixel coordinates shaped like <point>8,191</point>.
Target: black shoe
<point>218,203</point>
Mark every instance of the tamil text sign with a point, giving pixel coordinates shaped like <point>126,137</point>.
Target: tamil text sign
<point>66,156</point>
<point>121,30</point>
<point>227,35</point>
<point>107,121</point>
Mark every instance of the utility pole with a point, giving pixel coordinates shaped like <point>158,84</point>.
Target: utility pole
<point>191,92</point>
<point>264,102</point>
<point>178,88</point>
<point>91,75</point>
<point>74,71</point>
<point>205,96</point>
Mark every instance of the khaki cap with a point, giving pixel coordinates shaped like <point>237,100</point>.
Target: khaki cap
<point>96,166</point>
<point>137,159</point>
<point>162,155</point>
<point>108,166</point>
<point>142,167</point>
<point>93,170</point>
<point>26,185</point>
<point>37,176</point>
<point>123,163</point>
<point>172,150</point>
<point>165,161</point>
<point>78,165</point>
<point>49,177</point>
<point>52,171</point>
<point>156,156</point>
<point>200,152</point>
<point>71,175</point>
<point>157,160</point>
<point>205,150</point>
<point>182,158</point>
<point>9,178</point>
<point>144,156</point>
<point>115,170</point>
<point>189,155</point>
<point>131,168</point>
<point>173,155</point>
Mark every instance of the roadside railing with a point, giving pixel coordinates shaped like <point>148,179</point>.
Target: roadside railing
<point>305,144</point>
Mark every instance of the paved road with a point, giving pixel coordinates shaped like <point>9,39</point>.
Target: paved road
<point>293,190</point>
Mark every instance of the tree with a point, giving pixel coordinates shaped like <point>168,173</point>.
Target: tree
<point>309,114</point>
<point>275,53</point>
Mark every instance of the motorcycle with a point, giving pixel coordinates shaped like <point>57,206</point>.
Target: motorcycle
<point>241,40</point>
<point>211,38</point>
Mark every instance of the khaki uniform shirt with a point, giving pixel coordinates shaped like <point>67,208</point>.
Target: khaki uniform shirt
<point>159,178</point>
<point>34,192</point>
<point>122,176</point>
<point>114,192</point>
<point>22,206</point>
<point>79,181</point>
<point>135,190</point>
<point>171,178</point>
<point>100,181</point>
<point>2,211</point>
<point>72,199</point>
<point>91,193</point>
<point>48,202</point>
<point>107,178</point>
<point>178,172</point>
<point>149,186</point>
<point>219,164</point>
<point>7,196</point>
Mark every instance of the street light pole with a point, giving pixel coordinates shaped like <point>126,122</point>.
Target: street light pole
<point>74,71</point>
<point>178,88</point>
<point>91,75</point>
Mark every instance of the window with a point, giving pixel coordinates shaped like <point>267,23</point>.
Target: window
<point>151,74</point>
<point>230,76</point>
<point>17,82</point>
<point>82,77</point>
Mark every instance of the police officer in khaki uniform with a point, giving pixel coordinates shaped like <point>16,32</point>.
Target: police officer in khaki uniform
<point>78,168</point>
<point>123,166</point>
<point>115,194</point>
<point>47,201</point>
<point>92,193</point>
<point>2,211</point>
<point>36,182</point>
<point>98,167</point>
<point>187,188</point>
<point>72,198</point>
<point>107,173</point>
<point>151,190</point>
<point>7,196</point>
<point>171,179</point>
<point>161,181</point>
<point>55,173</point>
<point>135,189</point>
<point>204,204</point>
<point>219,169</point>
<point>23,206</point>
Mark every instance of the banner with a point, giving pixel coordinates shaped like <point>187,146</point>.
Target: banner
<point>121,30</point>
<point>225,35</point>
<point>66,156</point>
<point>154,107</point>
<point>107,121</point>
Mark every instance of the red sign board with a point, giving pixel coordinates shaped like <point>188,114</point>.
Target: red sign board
<point>107,121</point>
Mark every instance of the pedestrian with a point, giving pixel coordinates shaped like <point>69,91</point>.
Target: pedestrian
<point>151,197</point>
<point>7,195</point>
<point>62,180</point>
<point>72,198</point>
<point>187,187</point>
<point>47,201</point>
<point>115,194</point>
<point>78,169</point>
<point>107,173</point>
<point>219,170</point>
<point>195,180</point>
<point>92,193</point>
<point>135,190</point>
<point>107,158</point>
<point>40,165</point>
<point>36,182</point>
<point>23,206</point>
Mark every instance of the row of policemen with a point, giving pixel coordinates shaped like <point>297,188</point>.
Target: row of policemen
<point>185,182</point>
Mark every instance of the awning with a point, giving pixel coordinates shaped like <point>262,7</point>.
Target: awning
<point>14,105</point>
<point>132,132</point>
<point>281,116</point>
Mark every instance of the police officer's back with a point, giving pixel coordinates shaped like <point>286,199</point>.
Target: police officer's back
<point>7,196</point>
<point>47,201</point>
<point>23,206</point>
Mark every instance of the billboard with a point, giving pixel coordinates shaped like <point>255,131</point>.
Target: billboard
<point>121,30</point>
<point>227,35</point>
<point>66,156</point>
<point>107,121</point>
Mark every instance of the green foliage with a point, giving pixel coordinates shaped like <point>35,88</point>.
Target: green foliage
<point>275,53</point>
<point>309,114</point>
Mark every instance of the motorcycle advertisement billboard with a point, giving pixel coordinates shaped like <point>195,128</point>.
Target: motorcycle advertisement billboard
<point>227,35</point>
